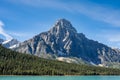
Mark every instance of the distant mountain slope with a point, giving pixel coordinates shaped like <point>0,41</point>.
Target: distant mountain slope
<point>10,43</point>
<point>13,63</point>
<point>63,41</point>
<point>1,40</point>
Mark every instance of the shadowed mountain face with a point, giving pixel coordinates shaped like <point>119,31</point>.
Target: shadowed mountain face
<point>63,41</point>
<point>1,40</point>
<point>9,43</point>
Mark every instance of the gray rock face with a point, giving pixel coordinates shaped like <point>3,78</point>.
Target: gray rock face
<point>63,41</point>
<point>10,43</point>
<point>1,40</point>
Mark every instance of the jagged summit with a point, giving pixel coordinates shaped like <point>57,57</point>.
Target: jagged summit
<point>63,25</point>
<point>63,22</point>
<point>64,41</point>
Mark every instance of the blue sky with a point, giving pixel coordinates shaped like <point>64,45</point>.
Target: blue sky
<point>97,19</point>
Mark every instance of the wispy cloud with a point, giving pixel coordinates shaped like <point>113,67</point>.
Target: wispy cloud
<point>18,34</point>
<point>2,31</point>
<point>95,11</point>
<point>41,3</point>
<point>101,13</point>
<point>110,37</point>
<point>21,36</point>
<point>114,38</point>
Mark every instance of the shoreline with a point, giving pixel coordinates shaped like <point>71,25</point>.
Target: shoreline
<point>60,75</point>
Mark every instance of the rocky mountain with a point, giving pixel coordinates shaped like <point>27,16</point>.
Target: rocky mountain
<point>10,43</point>
<point>63,41</point>
<point>1,40</point>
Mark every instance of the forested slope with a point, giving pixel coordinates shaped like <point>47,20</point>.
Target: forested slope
<point>14,63</point>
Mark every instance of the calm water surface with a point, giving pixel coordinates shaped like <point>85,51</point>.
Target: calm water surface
<point>59,77</point>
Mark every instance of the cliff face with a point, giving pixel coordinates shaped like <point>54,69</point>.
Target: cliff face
<point>63,41</point>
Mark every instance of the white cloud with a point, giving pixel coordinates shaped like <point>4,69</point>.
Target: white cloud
<point>110,35</point>
<point>113,37</point>
<point>41,3</point>
<point>2,31</point>
<point>18,34</point>
<point>21,36</point>
<point>95,11</point>
<point>101,13</point>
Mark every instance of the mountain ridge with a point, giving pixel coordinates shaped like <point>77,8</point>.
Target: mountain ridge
<point>9,43</point>
<point>63,41</point>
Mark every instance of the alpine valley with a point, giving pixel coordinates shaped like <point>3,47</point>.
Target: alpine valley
<point>62,42</point>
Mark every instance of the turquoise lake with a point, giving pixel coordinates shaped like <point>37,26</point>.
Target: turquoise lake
<point>59,77</point>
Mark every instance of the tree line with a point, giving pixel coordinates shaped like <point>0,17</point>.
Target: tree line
<point>14,63</point>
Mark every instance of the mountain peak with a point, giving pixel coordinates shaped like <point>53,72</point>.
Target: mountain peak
<point>63,21</point>
<point>63,24</point>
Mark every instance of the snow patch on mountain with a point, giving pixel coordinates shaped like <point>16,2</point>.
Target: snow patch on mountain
<point>7,41</point>
<point>10,43</point>
<point>14,46</point>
